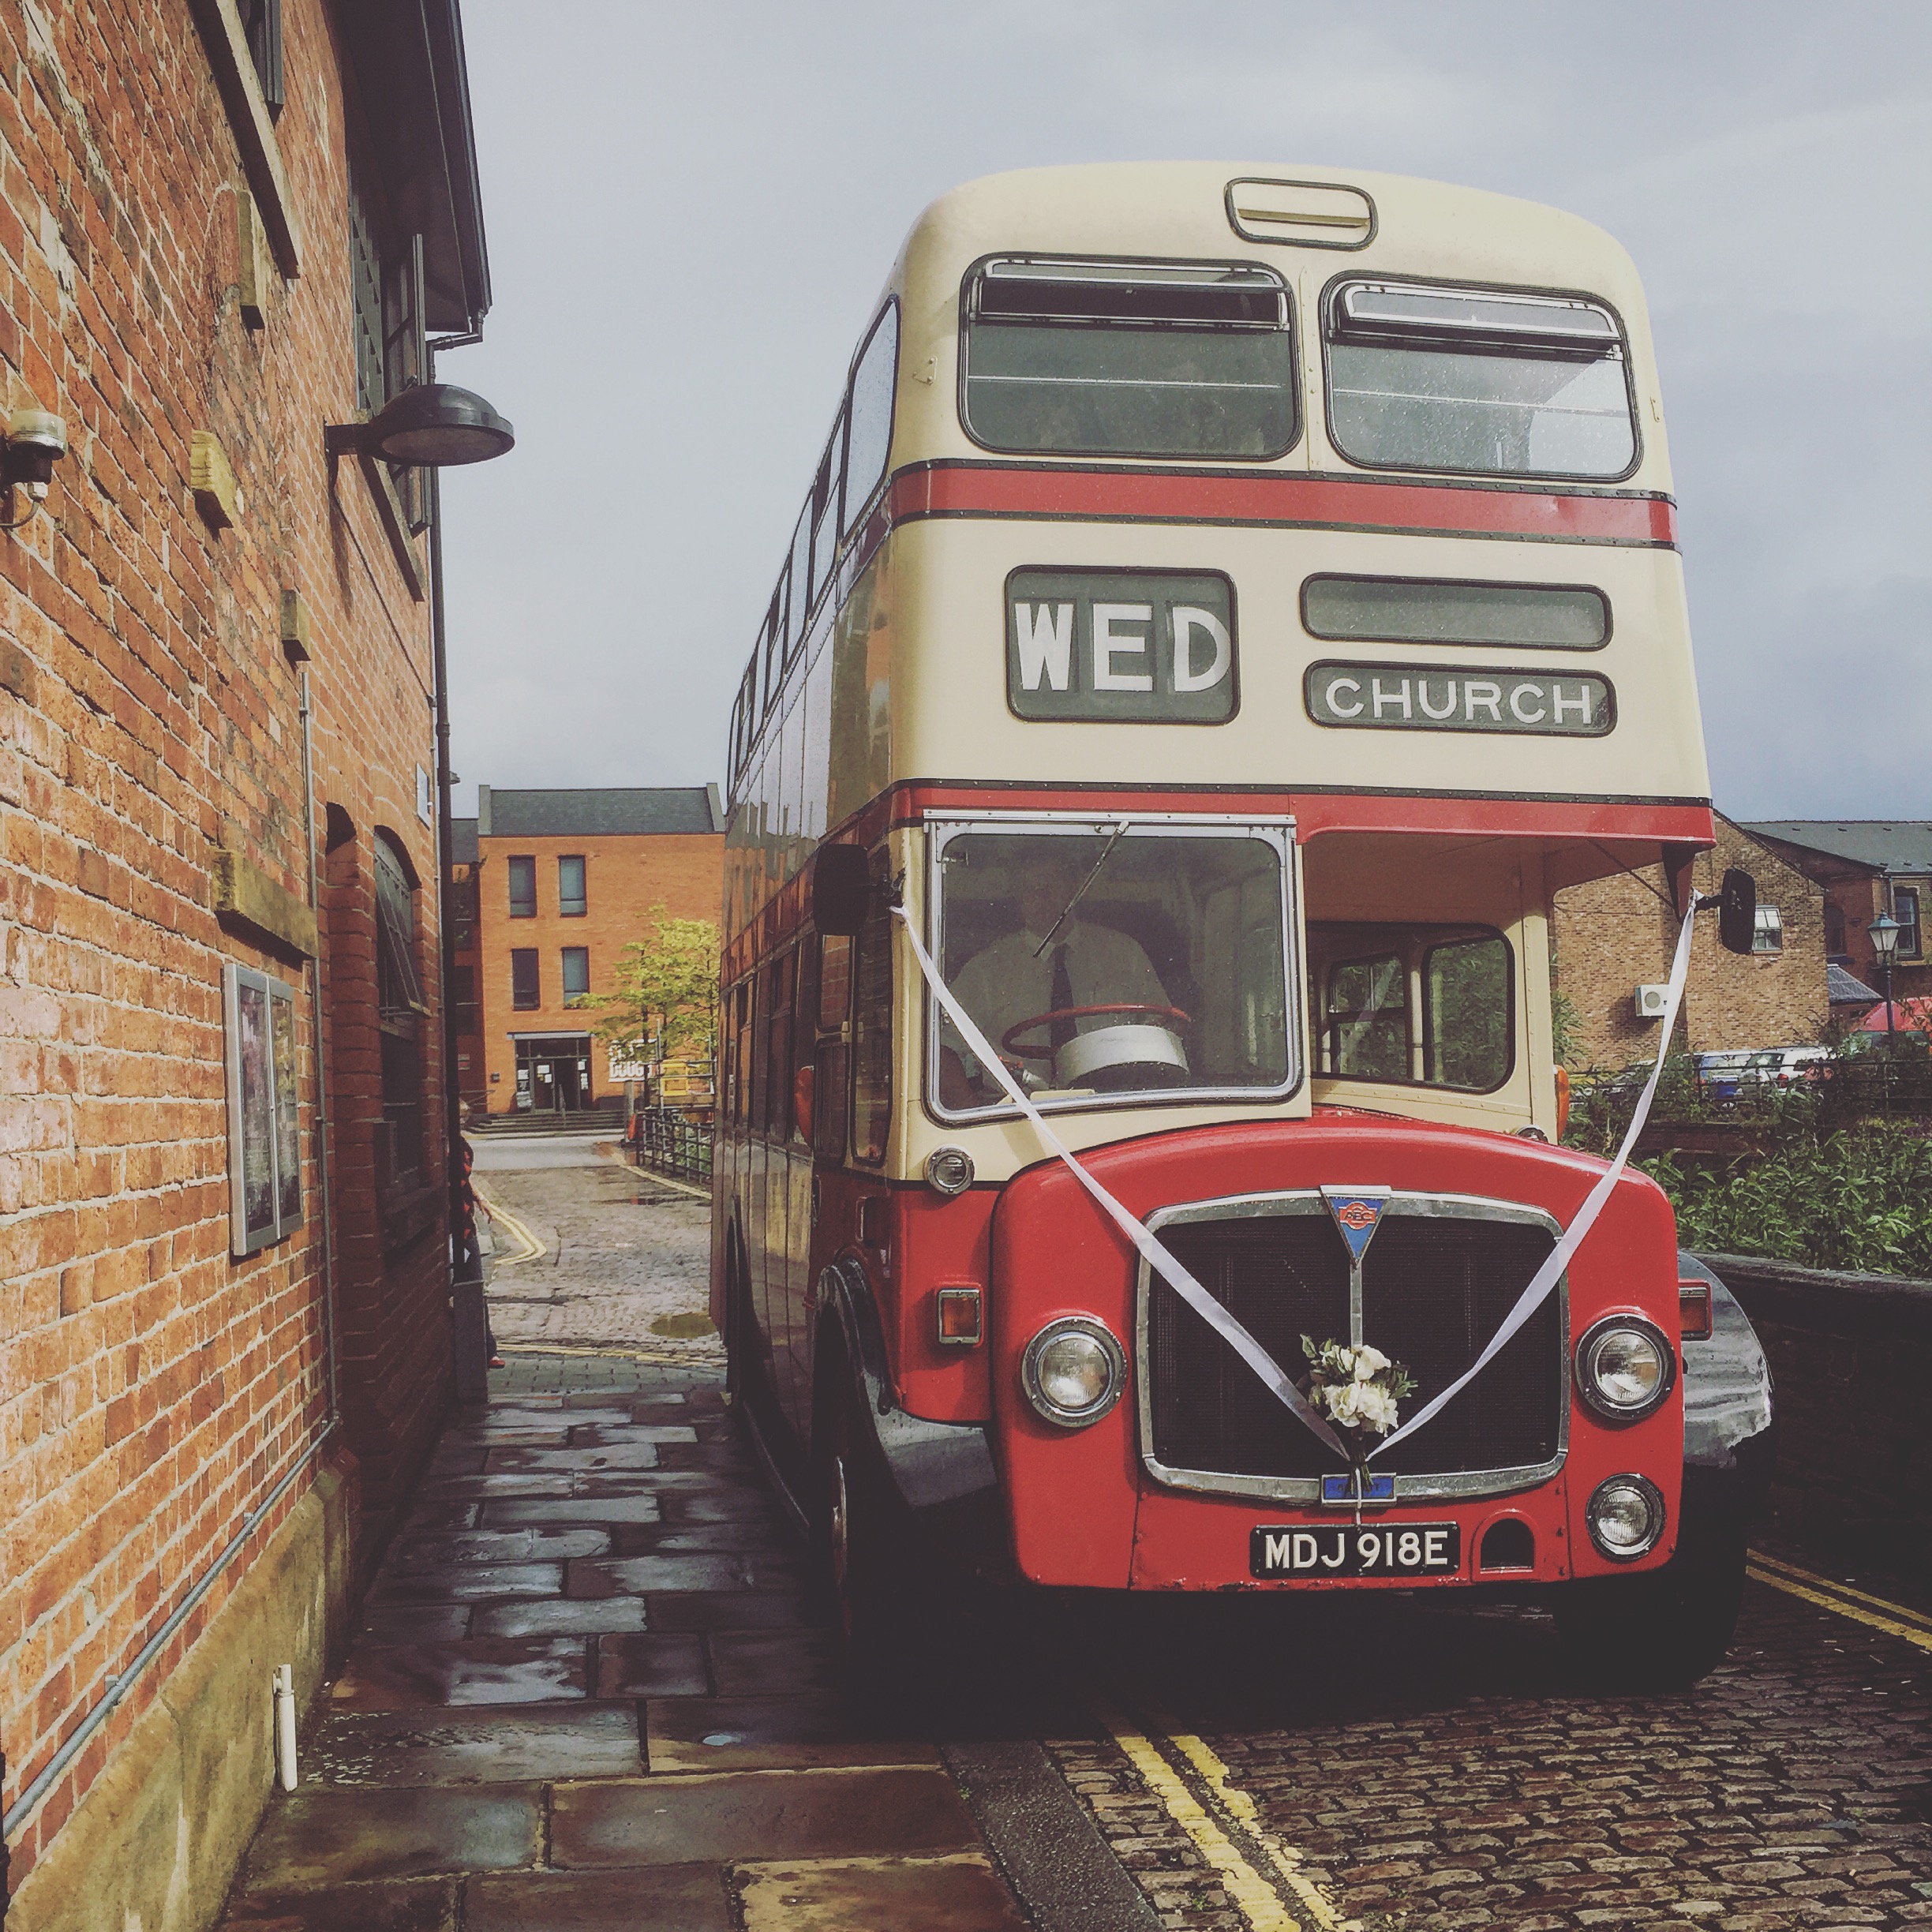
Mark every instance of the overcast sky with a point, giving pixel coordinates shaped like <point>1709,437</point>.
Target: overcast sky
<point>691,209</point>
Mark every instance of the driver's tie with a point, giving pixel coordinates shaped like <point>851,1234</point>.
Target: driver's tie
<point>1059,999</point>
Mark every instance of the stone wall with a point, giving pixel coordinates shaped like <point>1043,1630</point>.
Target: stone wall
<point>1852,1358</point>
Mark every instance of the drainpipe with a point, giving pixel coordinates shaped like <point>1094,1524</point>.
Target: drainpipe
<point>469,1319</point>
<point>323,1176</point>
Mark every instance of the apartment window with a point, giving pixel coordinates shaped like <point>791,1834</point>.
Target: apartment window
<point>1834,931</point>
<point>526,992</point>
<point>522,888</point>
<point>400,1009</point>
<point>1905,909</point>
<point>261,24</point>
<point>570,901</point>
<point>576,971</point>
<point>391,345</point>
<point>1769,935</point>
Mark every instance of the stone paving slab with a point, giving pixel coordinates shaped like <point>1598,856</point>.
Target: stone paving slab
<point>535,1544</point>
<point>563,1616</point>
<point>957,1894</point>
<point>758,1814</point>
<point>632,1455</point>
<point>492,1746</point>
<point>651,1666</point>
<point>478,1670</point>
<point>646,1575</point>
<point>793,1731</point>
<point>469,1583</point>
<point>328,1834</point>
<point>717,1610</point>
<point>768,1663</point>
<point>643,1507</point>
<point>425,1905</point>
<point>670,1898</point>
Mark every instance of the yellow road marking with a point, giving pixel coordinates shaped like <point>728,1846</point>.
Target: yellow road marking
<point>613,1151</point>
<point>1285,1859</point>
<point>1254,1897</point>
<point>1839,1607</point>
<point>500,1216</point>
<point>1834,1588</point>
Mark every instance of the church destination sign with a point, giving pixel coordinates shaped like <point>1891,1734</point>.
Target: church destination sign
<point>1151,647</point>
<point>1399,697</point>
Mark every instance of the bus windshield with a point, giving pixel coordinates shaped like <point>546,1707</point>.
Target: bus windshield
<point>1107,962</point>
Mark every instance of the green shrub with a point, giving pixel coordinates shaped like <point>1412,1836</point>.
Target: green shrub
<point>1860,1199</point>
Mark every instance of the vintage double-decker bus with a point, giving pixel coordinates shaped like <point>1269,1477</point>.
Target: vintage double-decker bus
<point>1231,603</point>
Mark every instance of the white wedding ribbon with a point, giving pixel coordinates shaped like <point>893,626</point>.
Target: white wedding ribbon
<point>1270,1371</point>
<point>1546,1278</point>
<point>1155,1252</point>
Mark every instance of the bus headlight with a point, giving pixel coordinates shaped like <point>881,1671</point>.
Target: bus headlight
<point>1624,1367</point>
<point>1073,1371</point>
<point>1626,1518</point>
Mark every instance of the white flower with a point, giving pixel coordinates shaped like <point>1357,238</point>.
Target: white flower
<point>1369,1363</point>
<point>1375,1406</point>
<point>1344,1403</point>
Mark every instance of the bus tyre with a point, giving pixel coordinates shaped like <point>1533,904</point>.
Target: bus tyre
<point>862,1572</point>
<point>1662,1630</point>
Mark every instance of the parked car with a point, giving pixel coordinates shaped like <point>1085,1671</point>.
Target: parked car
<point>1782,1066</point>
<point>1718,1072</point>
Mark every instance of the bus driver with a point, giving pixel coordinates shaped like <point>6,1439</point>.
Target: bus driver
<point>1068,976</point>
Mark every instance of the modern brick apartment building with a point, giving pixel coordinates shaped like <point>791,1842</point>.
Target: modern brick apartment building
<point>1617,933</point>
<point>563,881</point>
<point>224,224</point>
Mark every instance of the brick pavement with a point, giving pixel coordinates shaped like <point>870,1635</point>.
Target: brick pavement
<point>584,1697</point>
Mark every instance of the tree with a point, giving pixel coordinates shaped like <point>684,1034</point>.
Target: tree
<point>664,988</point>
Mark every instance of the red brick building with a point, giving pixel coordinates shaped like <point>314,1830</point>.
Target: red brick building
<point>563,881</point>
<point>1618,933</point>
<point>1866,867</point>
<point>223,226</point>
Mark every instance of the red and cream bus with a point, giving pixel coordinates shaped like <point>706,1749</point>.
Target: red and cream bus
<point>1230,603</point>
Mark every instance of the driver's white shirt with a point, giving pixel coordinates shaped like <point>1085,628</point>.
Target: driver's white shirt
<point>1006,983</point>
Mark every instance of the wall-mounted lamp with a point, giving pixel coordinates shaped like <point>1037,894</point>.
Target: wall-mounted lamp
<point>37,439</point>
<point>433,425</point>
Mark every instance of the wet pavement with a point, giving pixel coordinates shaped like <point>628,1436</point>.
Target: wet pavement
<point>586,1696</point>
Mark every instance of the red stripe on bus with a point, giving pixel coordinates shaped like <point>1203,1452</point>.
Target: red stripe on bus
<point>1277,498</point>
<point>1623,822</point>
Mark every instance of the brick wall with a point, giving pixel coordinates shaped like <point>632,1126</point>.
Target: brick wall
<point>1616,934</point>
<point>151,1388</point>
<point>626,877</point>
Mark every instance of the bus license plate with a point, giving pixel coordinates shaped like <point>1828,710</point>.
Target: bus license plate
<point>1357,1550</point>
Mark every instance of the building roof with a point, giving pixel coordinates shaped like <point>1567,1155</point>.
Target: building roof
<point>1844,989</point>
<point>463,849</point>
<point>1891,844</point>
<point>606,811</point>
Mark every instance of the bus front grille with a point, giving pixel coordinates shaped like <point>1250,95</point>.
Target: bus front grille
<point>1435,1287</point>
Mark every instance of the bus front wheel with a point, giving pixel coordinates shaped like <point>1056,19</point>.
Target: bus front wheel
<point>1661,1630</point>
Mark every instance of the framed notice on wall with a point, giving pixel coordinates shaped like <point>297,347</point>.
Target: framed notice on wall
<point>264,1115</point>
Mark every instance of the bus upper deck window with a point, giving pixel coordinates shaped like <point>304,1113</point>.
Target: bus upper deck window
<point>1125,358</point>
<point>1477,380</point>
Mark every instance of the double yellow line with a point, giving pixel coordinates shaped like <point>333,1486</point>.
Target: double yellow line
<point>528,1248</point>
<point>1265,1877</point>
<point>1879,1613</point>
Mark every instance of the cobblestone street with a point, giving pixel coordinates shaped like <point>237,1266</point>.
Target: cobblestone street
<point>626,1254</point>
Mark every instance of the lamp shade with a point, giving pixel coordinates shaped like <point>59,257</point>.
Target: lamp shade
<point>1884,934</point>
<point>437,425</point>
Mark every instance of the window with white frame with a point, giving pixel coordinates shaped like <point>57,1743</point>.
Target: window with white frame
<point>1905,909</point>
<point>1768,936</point>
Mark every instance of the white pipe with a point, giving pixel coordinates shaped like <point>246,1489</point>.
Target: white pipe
<point>285,1725</point>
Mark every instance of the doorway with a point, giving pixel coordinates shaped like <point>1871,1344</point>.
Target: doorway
<point>553,1073</point>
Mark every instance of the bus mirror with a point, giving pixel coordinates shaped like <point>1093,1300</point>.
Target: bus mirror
<point>1737,912</point>
<point>841,889</point>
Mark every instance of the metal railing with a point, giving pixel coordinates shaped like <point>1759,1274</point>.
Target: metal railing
<point>662,1140</point>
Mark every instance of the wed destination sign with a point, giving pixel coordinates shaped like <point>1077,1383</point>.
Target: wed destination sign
<point>1153,647</point>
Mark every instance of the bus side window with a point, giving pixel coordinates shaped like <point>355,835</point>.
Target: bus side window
<point>1367,1018</point>
<point>804,1075</point>
<point>829,1092</point>
<point>872,1042</point>
<point>741,1052</point>
<point>761,1060</point>
<point>776,1119</point>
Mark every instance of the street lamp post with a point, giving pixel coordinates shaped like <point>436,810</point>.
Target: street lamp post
<point>1884,934</point>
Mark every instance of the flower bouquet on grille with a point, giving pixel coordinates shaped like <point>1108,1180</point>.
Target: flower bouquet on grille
<point>1357,1390</point>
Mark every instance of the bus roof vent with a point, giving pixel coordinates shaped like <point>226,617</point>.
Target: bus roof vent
<point>1307,214</point>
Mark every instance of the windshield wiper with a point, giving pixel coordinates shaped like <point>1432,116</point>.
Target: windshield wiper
<point>1106,853</point>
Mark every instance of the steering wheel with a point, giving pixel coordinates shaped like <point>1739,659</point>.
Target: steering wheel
<point>1009,1041</point>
